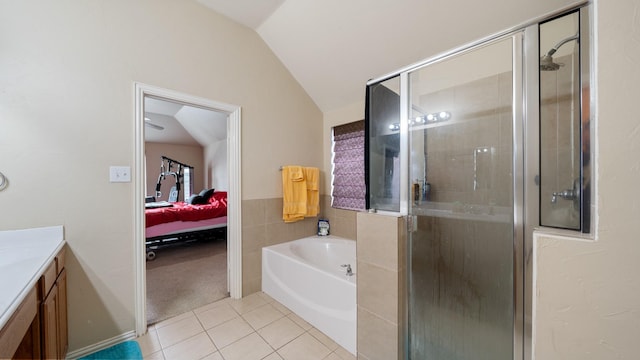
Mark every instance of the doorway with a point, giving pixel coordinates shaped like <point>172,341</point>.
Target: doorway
<point>234,246</point>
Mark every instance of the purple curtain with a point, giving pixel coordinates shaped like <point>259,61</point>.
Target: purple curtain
<point>349,188</point>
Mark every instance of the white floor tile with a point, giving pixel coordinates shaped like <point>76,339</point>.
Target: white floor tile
<point>324,339</point>
<point>218,303</point>
<point>216,316</point>
<point>214,356</point>
<point>179,331</point>
<point>229,332</point>
<point>247,303</point>
<point>251,347</point>
<point>304,347</point>
<point>300,321</point>
<point>172,320</point>
<point>344,354</point>
<point>262,316</point>
<point>158,355</point>
<point>332,356</point>
<point>280,332</point>
<point>273,356</point>
<point>195,347</point>
<point>246,329</point>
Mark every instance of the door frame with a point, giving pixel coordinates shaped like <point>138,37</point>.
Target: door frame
<point>234,211</point>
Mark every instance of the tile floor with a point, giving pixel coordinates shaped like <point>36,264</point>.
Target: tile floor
<point>255,327</point>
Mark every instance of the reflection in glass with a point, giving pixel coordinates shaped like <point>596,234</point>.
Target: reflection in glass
<point>461,303</point>
<point>383,145</point>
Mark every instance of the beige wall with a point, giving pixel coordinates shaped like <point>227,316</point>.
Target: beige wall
<point>186,154</point>
<point>67,73</point>
<point>587,303</point>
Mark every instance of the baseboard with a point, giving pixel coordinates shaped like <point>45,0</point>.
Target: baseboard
<point>101,345</point>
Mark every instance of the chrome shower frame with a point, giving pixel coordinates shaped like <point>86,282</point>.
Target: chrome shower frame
<point>525,158</point>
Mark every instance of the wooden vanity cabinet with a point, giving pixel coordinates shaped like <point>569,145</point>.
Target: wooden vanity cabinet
<point>38,327</point>
<point>53,310</point>
<point>20,337</point>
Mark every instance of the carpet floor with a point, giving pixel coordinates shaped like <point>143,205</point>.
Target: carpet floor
<point>185,277</point>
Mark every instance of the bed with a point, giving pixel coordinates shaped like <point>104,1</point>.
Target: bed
<point>173,223</point>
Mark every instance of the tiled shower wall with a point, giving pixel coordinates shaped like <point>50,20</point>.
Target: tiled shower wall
<point>479,120</point>
<point>559,126</point>
<point>381,290</point>
<point>262,225</point>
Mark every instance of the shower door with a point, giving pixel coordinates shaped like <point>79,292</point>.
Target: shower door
<point>463,246</point>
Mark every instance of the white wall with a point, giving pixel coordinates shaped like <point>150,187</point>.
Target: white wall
<point>217,166</point>
<point>67,73</point>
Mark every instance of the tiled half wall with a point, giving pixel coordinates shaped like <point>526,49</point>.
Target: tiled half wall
<point>381,286</point>
<point>262,225</point>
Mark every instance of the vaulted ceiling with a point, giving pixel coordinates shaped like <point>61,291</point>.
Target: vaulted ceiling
<point>333,47</point>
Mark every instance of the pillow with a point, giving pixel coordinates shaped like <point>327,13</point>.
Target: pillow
<point>206,194</point>
<point>196,200</point>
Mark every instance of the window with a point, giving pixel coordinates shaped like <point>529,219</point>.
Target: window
<point>348,190</point>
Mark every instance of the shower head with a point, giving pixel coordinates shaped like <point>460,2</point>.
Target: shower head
<point>546,62</point>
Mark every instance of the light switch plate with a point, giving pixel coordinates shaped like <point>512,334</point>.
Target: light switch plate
<point>120,174</point>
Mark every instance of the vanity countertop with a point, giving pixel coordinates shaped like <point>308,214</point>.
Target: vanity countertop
<point>24,256</point>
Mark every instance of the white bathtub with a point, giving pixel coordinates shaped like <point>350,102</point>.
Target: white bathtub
<point>306,276</point>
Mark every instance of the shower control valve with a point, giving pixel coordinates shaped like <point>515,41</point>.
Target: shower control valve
<point>566,194</point>
<point>569,194</point>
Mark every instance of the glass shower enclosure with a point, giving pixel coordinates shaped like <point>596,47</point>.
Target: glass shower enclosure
<point>478,148</point>
<point>461,137</point>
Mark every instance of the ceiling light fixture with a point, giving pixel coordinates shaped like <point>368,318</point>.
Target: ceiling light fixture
<point>425,119</point>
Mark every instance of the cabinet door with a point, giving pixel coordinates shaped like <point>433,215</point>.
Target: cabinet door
<point>50,324</point>
<point>30,346</point>
<point>62,314</point>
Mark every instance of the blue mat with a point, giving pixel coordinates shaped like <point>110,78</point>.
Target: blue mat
<point>124,350</point>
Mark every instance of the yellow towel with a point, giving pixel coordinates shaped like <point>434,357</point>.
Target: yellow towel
<point>294,194</point>
<point>312,179</point>
<point>296,173</point>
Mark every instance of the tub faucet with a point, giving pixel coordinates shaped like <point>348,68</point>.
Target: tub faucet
<point>349,271</point>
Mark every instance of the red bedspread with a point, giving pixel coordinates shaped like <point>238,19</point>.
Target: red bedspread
<point>182,211</point>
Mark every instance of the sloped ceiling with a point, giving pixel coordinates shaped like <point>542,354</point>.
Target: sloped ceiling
<point>183,125</point>
<point>333,47</point>
<point>250,13</point>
